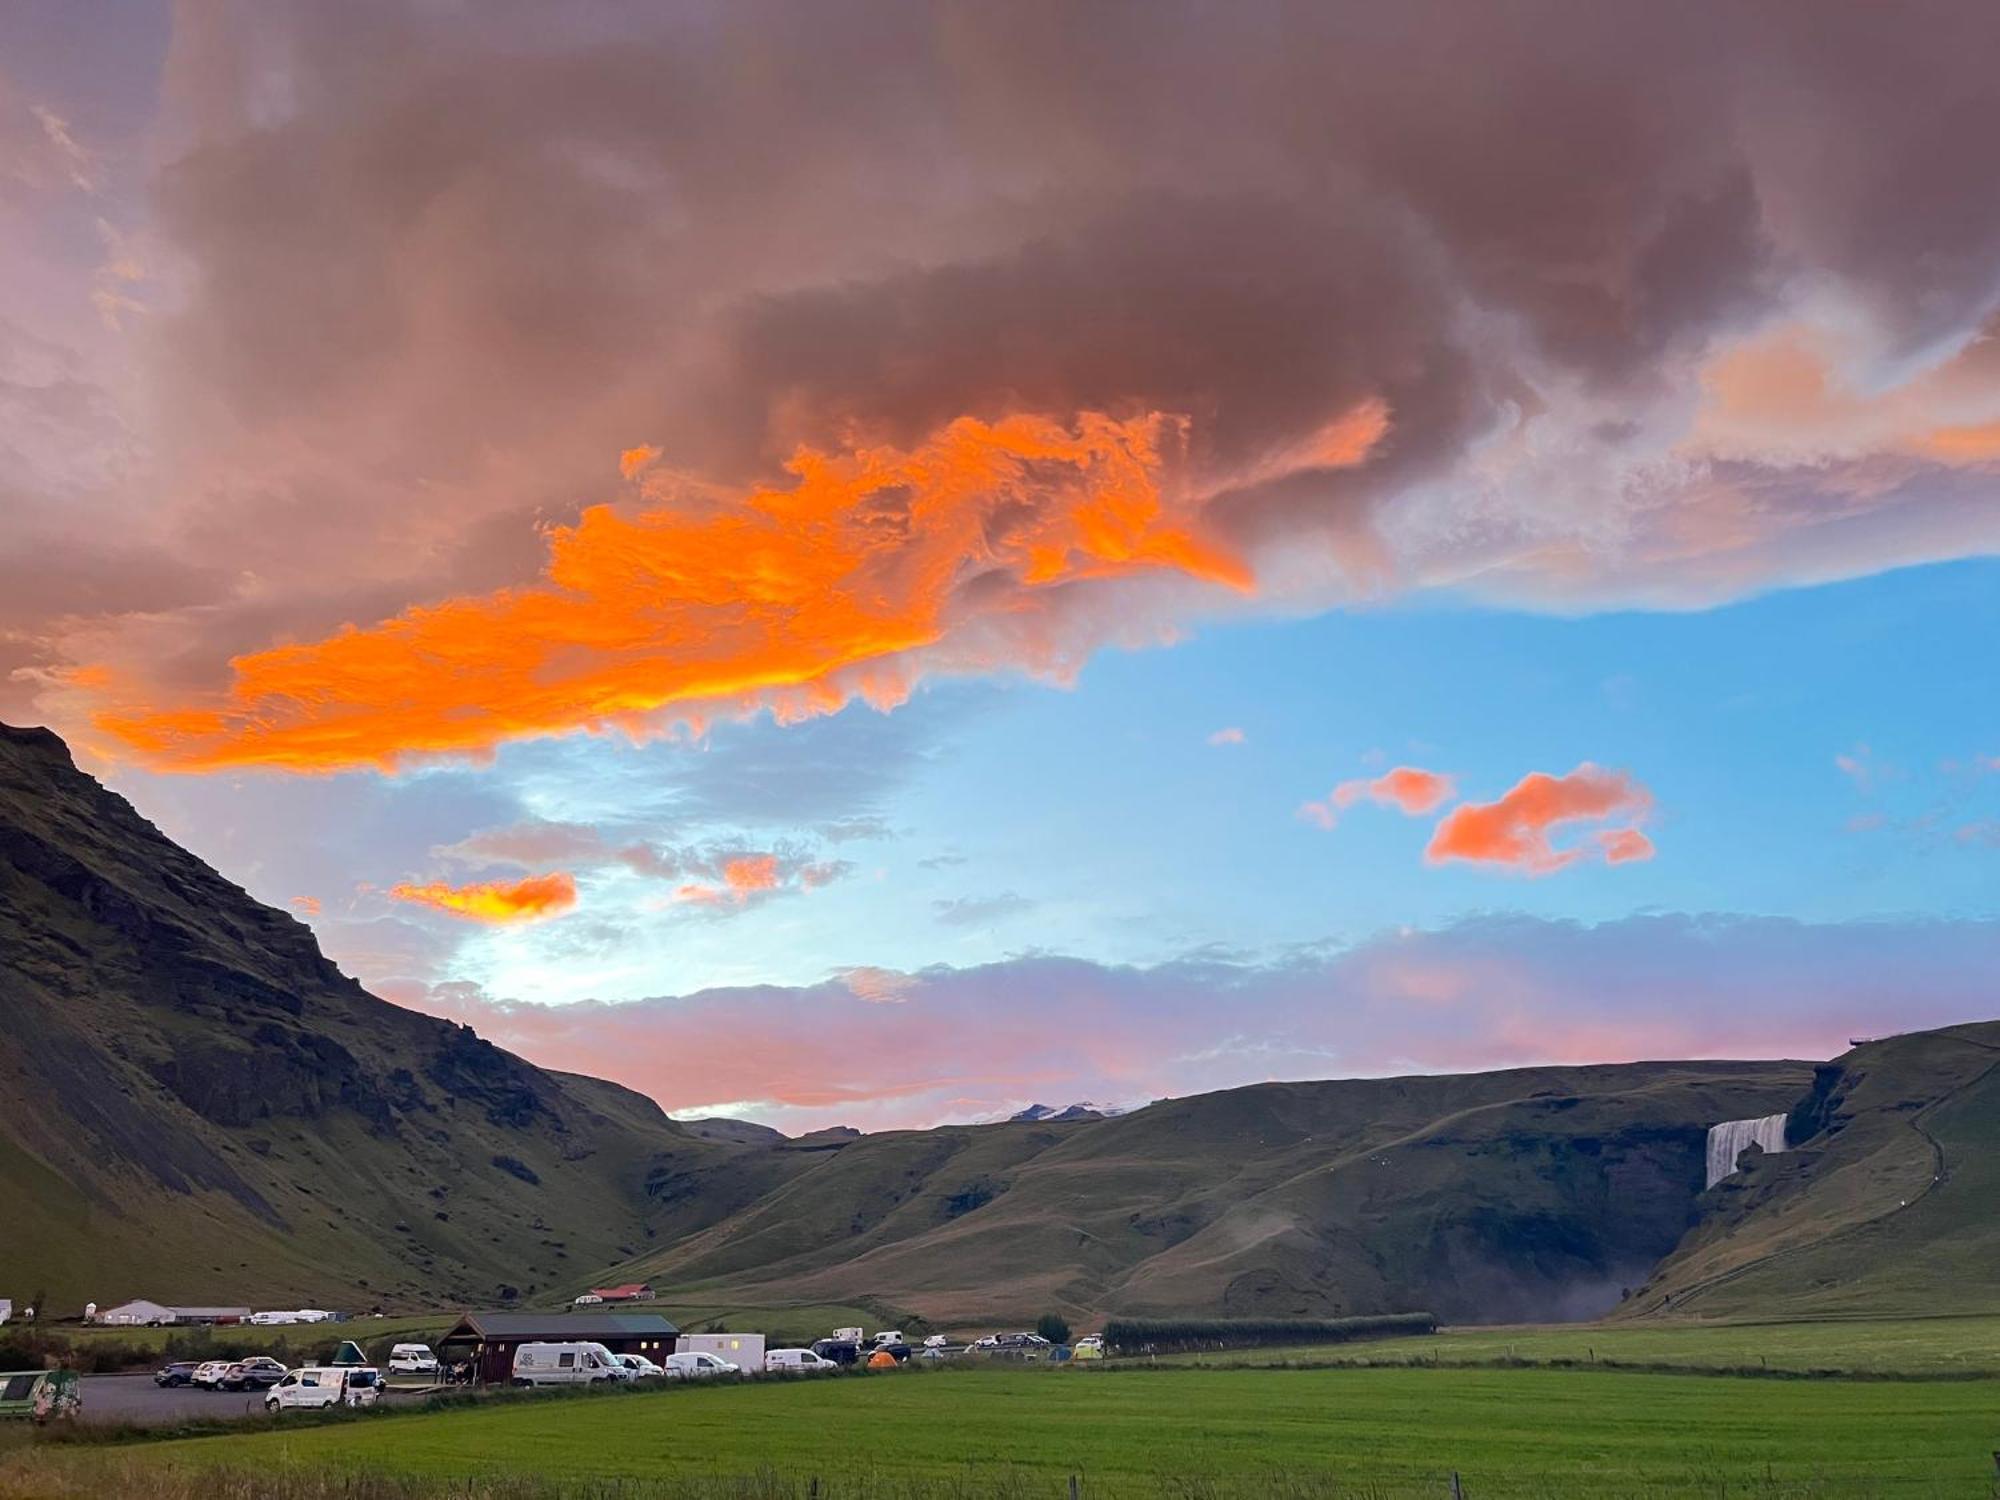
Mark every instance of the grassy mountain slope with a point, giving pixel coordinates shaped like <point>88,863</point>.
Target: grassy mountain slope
<point>195,1104</point>
<point>1887,1203</point>
<point>1533,1193</point>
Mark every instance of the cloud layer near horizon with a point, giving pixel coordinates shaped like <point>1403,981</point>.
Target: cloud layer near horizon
<point>879,1050</point>
<point>1559,305</point>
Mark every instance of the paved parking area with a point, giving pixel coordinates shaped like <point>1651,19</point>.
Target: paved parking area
<point>134,1398</point>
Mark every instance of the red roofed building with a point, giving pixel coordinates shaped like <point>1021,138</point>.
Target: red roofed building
<point>632,1291</point>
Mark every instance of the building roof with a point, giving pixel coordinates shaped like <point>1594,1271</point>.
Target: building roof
<point>210,1312</point>
<point>623,1293</point>
<point>560,1326</point>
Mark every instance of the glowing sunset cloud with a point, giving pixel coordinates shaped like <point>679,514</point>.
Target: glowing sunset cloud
<point>1515,830</point>
<point>1410,789</point>
<point>797,599</point>
<point>497,902</point>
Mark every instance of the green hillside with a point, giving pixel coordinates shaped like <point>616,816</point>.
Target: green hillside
<point>1536,1193</point>
<point>195,1105</point>
<point>1887,1203</point>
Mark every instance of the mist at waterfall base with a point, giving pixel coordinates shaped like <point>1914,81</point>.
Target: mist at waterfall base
<point>1732,1138</point>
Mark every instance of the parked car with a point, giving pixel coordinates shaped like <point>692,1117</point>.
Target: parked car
<point>698,1366</point>
<point>937,1341</point>
<point>797,1362</point>
<point>838,1351</point>
<point>258,1373</point>
<point>314,1386</point>
<point>208,1374</point>
<point>180,1372</point>
<point>588,1299</point>
<point>986,1341</point>
<point>641,1368</point>
<point>888,1338</point>
<point>580,1363</point>
<point>412,1359</point>
<point>1090,1346</point>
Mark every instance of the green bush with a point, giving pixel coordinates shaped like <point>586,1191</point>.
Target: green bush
<point>1176,1335</point>
<point>1054,1327</point>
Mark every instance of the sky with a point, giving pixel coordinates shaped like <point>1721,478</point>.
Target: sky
<point>874,564</point>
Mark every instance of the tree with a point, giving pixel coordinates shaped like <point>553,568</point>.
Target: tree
<point>1054,1327</point>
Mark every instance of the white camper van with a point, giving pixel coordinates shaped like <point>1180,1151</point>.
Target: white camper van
<point>743,1350</point>
<point>324,1385</point>
<point>412,1359</point>
<point>566,1364</point>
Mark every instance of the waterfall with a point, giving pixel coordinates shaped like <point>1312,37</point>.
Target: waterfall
<point>1727,1141</point>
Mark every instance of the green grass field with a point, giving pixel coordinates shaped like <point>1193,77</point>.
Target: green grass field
<point>1382,1432</point>
<point>1902,1346</point>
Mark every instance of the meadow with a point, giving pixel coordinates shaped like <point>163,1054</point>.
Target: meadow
<point>1191,1432</point>
<point>1882,1347</point>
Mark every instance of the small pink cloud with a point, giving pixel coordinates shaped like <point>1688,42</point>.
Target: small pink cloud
<point>1230,736</point>
<point>1624,845</point>
<point>1515,831</point>
<point>1410,789</point>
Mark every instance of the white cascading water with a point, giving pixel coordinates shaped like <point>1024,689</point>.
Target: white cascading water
<point>1728,1140</point>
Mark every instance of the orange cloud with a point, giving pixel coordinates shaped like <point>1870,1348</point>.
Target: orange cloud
<point>1229,736</point>
<point>797,599</point>
<point>751,872</point>
<point>1624,845</point>
<point>1514,831</point>
<point>633,460</point>
<point>307,904</point>
<point>1411,789</point>
<point>497,901</point>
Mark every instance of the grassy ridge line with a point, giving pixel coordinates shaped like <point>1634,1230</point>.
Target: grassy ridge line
<point>1384,1432</point>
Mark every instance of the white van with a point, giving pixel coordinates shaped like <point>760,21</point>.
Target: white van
<point>314,1386</point>
<point>744,1350</point>
<point>698,1367</point>
<point>566,1364</point>
<point>412,1359</point>
<point>798,1362</point>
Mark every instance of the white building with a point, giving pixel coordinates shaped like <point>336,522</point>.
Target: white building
<point>140,1312</point>
<point>136,1312</point>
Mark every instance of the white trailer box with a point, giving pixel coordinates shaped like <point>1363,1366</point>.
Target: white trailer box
<point>6,1309</point>
<point>744,1350</point>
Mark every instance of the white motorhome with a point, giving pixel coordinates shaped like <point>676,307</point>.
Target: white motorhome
<point>566,1364</point>
<point>412,1359</point>
<point>315,1386</point>
<point>744,1350</point>
<point>849,1336</point>
<point>6,1309</point>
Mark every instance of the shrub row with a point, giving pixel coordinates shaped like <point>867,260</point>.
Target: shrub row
<point>1174,1335</point>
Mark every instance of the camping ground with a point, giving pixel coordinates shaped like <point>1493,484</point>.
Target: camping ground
<point>1134,1429</point>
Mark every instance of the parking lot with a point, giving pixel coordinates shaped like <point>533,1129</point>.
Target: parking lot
<point>134,1398</point>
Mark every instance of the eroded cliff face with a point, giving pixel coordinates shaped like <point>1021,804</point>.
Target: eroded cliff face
<point>181,1064</point>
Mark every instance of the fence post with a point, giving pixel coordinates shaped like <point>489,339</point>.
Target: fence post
<point>1075,1487</point>
<point>1457,1489</point>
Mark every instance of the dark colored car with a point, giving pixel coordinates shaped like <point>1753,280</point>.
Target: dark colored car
<point>900,1351</point>
<point>180,1372</point>
<point>840,1351</point>
<point>258,1373</point>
